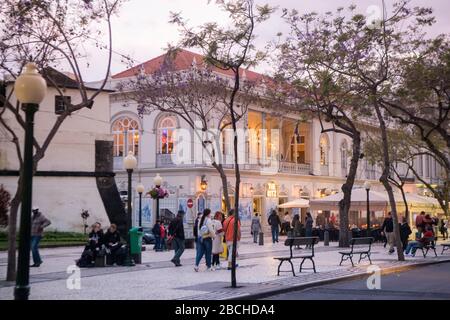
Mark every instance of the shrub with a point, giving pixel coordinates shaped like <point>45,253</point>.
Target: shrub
<point>5,201</point>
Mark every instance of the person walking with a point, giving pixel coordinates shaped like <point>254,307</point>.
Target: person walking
<point>405,231</point>
<point>217,247</point>
<point>388,228</point>
<point>39,222</point>
<point>157,233</point>
<point>176,233</point>
<point>444,229</point>
<point>297,226</point>
<point>275,223</point>
<point>206,234</point>
<point>286,223</point>
<point>255,227</point>
<point>228,228</point>
<point>309,221</point>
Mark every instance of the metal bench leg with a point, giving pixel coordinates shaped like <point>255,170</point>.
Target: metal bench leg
<point>351,260</point>
<point>435,254</point>
<point>424,254</point>
<point>292,267</point>
<point>342,259</point>
<point>279,266</point>
<point>314,265</point>
<point>368,256</point>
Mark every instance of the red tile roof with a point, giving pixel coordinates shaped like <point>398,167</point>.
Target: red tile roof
<point>183,61</point>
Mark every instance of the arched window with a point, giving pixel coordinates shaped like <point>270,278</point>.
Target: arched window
<point>166,129</point>
<point>344,156</point>
<point>323,147</point>
<point>126,136</point>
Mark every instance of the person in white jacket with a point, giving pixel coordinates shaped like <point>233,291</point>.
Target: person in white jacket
<point>217,245</point>
<point>206,234</point>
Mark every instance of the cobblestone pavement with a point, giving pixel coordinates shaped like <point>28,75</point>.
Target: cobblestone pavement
<point>157,278</point>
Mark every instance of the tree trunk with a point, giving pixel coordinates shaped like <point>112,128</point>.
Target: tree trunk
<point>384,179</point>
<point>223,178</point>
<point>12,231</point>
<point>236,209</point>
<point>344,204</point>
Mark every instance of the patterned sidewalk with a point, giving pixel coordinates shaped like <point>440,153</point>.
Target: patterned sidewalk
<point>157,278</point>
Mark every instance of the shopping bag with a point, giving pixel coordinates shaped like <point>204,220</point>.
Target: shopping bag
<point>224,253</point>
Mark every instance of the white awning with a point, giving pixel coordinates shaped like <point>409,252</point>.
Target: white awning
<point>298,203</point>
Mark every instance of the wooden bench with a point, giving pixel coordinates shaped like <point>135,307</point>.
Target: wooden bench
<point>309,242</point>
<point>445,247</point>
<point>361,246</point>
<point>427,245</point>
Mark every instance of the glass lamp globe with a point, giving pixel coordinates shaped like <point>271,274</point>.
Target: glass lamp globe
<point>30,86</point>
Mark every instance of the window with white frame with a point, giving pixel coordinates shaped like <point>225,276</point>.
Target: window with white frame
<point>166,129</point>
<point>125,131</point>
<point>344,156</point>
<point>323,148</point>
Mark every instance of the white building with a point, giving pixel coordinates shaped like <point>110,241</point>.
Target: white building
<point>312,164</point>
<point>65,181</point>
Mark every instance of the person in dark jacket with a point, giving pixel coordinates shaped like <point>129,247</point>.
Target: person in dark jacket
<point>176,233</point>
<point>388,228</point>
<point>111,239</point>
<point>157,233</point>
<point>309,221</point>
<point>274,222</point>
<point>95,239</point>
<point>297,226</point>
<point>405,231</point>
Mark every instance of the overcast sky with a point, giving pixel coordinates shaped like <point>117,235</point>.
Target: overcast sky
<point>142,30</point>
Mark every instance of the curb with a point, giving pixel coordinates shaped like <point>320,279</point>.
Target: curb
<point>389,270</point>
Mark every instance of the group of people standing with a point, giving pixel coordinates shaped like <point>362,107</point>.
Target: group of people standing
<point>287,225</point>
<point>425,225</point>
<point>212,235</point>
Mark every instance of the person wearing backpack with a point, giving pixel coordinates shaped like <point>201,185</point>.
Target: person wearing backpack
<point>176,237</point>
<point>206,235</point>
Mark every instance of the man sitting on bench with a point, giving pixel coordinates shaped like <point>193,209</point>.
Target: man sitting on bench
<point>414,245</point>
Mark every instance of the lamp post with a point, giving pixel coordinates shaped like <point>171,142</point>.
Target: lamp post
<point>140,189</point>
<point>30,89</point>
<point>367,187</point>
<point>129,163</point>
<point>158,182</point>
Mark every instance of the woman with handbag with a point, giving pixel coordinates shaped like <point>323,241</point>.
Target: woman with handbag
<point>206,234</point>
<point>217,247</point>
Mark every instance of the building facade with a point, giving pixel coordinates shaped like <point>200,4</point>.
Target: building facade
<point>65,182</point>
<point>303,162</point>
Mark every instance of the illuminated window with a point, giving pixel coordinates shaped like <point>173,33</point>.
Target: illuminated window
<point>126,136</point>
<point>165,135</point>
<point>323,147</point>
<point>344,155</point>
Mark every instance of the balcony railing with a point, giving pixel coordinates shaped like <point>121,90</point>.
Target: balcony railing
<point>295,168</point>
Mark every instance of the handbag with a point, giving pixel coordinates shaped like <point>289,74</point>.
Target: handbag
<point>170,239</point>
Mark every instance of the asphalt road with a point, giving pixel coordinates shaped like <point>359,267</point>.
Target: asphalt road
<point>428,282</point>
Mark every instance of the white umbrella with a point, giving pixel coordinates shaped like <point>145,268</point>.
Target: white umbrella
<point>297,203</point>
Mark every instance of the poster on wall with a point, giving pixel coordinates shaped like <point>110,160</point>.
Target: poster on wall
<point>245,209</point>
<point>201,203</point>
<point>182,205</point>
<point>215,205</point>
<point>146,211</point>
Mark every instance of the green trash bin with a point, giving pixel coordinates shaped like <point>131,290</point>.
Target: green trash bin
<point>136,234</point>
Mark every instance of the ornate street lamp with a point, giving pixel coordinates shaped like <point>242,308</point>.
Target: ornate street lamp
<point>140,189</point>
<point>367,187</point>
<point>203,183</point>
<point>30,89</point>
<point>158,180</point>
<point>129,163</point>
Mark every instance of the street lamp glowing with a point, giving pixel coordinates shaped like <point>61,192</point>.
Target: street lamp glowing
<point>30,86</point>
<point>140,188</point>
<point>130,161</point>
<point>157,180</point>
<point>367,185</point>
